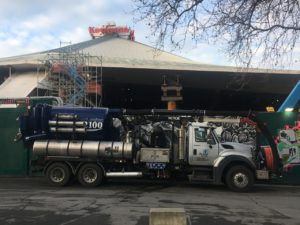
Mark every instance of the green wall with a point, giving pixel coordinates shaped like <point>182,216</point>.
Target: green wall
<point>13,156</point>
<point>275,122</point>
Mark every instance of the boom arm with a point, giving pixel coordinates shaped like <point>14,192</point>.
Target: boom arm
<point>292,100</point>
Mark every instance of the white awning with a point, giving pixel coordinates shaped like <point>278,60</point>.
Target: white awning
<point>20,85</point>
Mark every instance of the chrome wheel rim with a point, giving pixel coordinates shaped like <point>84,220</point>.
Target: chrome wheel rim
<point>57,175</point>
<point>89,175</point>
<point>240,180</point>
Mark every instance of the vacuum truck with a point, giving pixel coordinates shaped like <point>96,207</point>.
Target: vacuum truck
<point>93,144</point>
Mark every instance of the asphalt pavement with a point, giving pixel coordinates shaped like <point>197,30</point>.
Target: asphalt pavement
<point>31,201</point>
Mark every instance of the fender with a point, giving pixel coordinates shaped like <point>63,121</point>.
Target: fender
<point>222,163</point>
<point>46,166</point>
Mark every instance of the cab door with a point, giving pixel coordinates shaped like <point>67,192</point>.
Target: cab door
<point>203,147</point>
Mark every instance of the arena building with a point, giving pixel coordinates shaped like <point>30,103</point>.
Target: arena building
<point>113,70</point>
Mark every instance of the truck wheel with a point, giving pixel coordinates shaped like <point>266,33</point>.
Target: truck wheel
<point>90,175</point>
<point>58,174</point>
<point>239,179</point>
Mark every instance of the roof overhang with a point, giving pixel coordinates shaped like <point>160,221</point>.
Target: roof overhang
<point>125,61</point>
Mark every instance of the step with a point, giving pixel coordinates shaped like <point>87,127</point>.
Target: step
<point>204,168</point>
<point>200,179</point>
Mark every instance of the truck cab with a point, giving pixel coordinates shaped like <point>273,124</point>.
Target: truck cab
<point>219,162</point>
<point>205,147</point>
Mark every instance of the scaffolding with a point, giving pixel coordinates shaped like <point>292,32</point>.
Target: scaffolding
<point>71,77</point>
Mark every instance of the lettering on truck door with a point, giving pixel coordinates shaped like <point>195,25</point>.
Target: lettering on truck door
<point>203,148</point>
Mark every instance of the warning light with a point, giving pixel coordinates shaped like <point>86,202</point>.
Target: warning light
<point>289,110</point>
<point>270,109</point>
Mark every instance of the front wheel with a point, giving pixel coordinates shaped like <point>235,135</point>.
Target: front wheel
<point>239,179</point>
<point>90,175</point>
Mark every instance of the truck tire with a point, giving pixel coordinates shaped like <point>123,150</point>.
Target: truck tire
<point>90,175</point>
<point>239,179</point>
<point>58,174</point>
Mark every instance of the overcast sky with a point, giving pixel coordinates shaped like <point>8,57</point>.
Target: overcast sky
<point>28,26</point>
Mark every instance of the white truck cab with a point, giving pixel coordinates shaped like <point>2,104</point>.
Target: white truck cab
<point>218,161</point>
<point>204,146</point>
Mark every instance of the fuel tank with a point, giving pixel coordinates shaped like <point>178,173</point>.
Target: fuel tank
<point>88,149</point>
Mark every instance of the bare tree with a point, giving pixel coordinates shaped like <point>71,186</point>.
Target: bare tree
<point>266,29</point>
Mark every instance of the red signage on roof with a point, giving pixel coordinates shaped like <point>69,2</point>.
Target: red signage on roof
<point>106,30</point>
<point>124,32</point>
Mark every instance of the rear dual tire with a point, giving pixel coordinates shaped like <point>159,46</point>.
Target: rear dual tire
<point>90,175</point>
<point>58,174</point>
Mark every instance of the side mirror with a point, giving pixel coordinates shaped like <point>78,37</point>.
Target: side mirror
<point>211,141</point>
